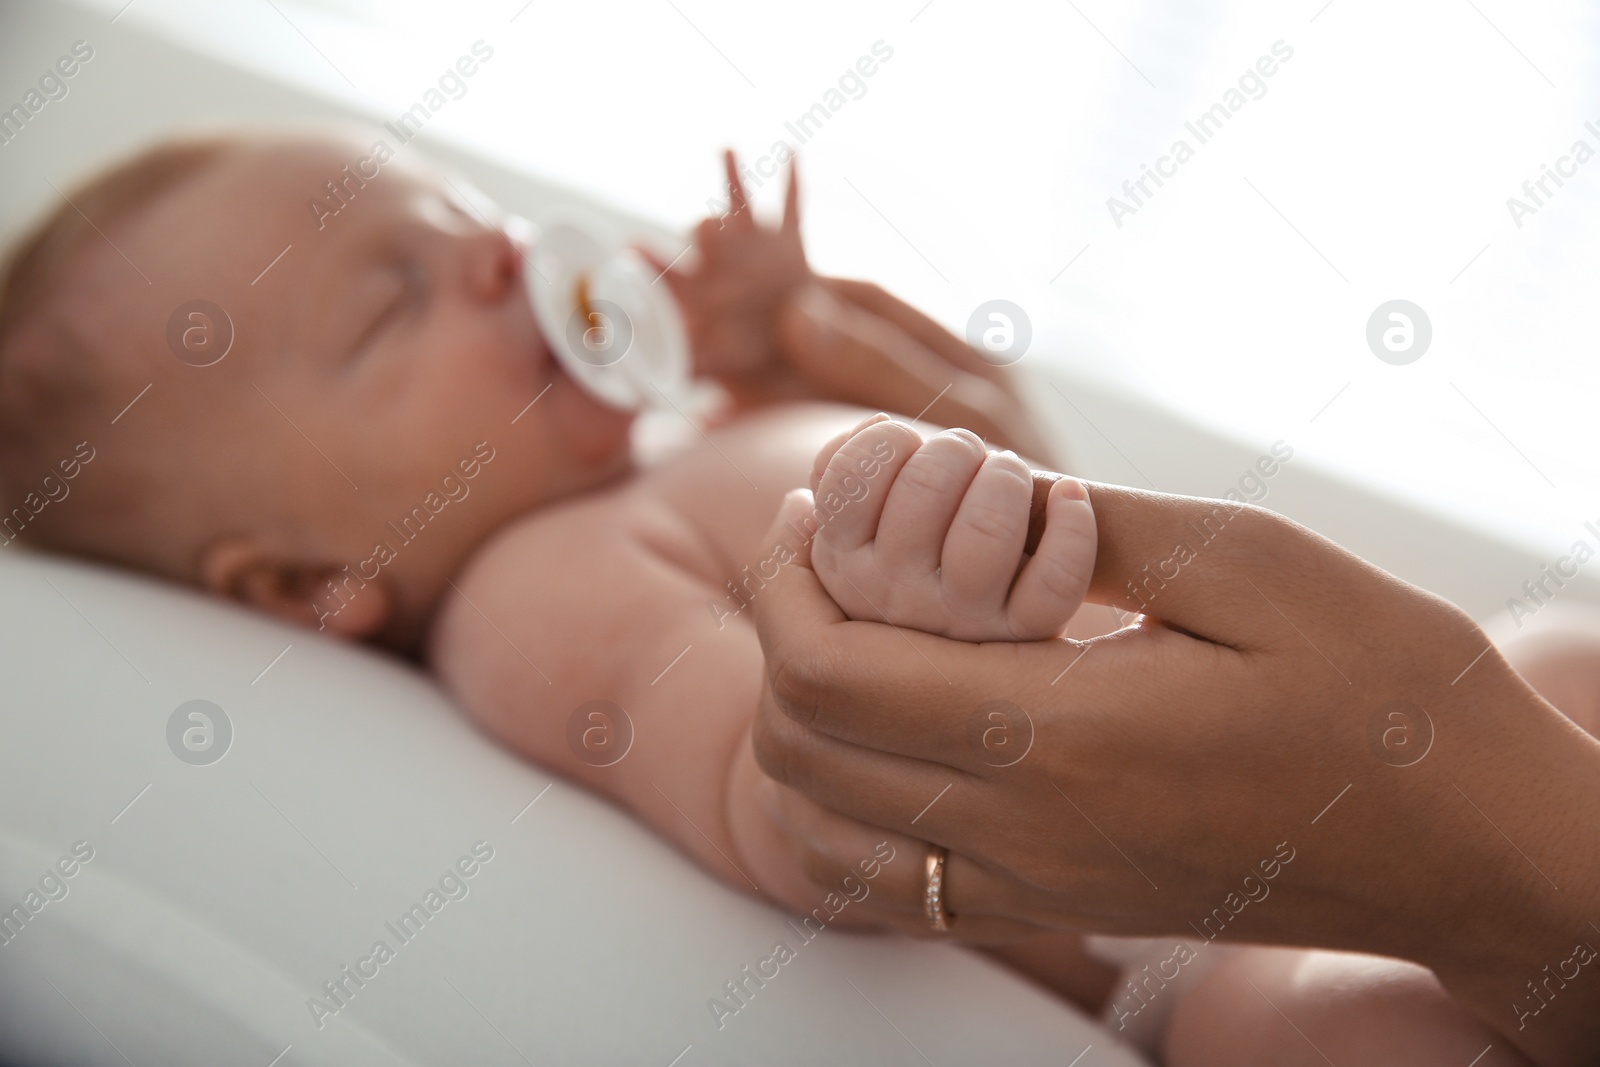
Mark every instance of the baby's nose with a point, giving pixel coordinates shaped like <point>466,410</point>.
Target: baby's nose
<point>492,264</point>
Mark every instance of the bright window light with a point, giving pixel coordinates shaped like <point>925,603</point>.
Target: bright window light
<point>1335,157</point>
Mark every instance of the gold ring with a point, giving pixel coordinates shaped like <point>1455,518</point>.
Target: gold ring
<point>933,900</point>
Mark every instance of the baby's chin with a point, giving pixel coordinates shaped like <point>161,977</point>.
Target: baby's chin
<point>594,435</point>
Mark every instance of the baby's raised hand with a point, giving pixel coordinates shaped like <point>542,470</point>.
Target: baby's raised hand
<point>930,535</point>
<point>740,274</point>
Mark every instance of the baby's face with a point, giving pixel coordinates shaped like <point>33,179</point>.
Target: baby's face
<point>387,344</point>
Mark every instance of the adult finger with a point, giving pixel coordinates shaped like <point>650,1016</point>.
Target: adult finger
<point>910,693</point>
<point>878,686</point>
<point>1038,508</point>
<point>841,854</point>
<point>1060,570</point>
<point>885,788</point>
<point>861,357</point>
<point>927,332</point>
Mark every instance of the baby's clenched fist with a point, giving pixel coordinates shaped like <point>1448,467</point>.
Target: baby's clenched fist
<point>934,537</point>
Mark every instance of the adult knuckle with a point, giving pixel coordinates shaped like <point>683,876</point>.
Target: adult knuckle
<point>859,291</point>
<point>1257,525</point>
<point>796,689</point>
<point>819,866</point>
<point>1041,873</point>
<point>1242,533</point>
<point>774,744</point>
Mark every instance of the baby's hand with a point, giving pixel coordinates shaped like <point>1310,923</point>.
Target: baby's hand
<point>743,270</point>
<point>930,535</point>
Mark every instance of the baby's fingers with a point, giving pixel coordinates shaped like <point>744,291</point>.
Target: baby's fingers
<point>923,503</point>
<point>851,492</point>
<point>665,270</point>
<point>1054,582</point>
<point>791,200</point>
<point>984,545</point>
<point>738,203</point>
<point>825,453</point>
<point>670,277</point>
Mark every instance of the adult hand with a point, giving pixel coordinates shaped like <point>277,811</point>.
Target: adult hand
<point>856,342</point>
<point>768,328</point>
<point>1291,746</point>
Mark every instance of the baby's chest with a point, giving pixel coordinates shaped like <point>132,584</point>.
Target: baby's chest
<point>727,487</point>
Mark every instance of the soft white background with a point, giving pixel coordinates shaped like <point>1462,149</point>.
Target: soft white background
<point>979,160</point>
<point>977,165</point>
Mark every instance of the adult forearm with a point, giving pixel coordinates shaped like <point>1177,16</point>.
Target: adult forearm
<point>856,343</point>
<point>1526,960</point>
<point>968,390</point>
<point>1435,808</point>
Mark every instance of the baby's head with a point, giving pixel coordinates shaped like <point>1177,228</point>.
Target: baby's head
<point>368,426</point>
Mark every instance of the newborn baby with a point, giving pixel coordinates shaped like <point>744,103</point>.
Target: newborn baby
<point>363,432</point>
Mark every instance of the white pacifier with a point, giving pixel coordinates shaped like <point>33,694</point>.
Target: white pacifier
<point>616,333</point>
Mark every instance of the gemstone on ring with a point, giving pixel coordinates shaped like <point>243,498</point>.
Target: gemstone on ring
<point>933,899</point>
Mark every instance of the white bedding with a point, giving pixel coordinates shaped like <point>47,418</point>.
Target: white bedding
<point>218,898</point>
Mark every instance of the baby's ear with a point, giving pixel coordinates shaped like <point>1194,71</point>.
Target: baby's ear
<point>318,596</point>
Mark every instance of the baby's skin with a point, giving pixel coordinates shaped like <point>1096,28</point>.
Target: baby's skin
<point>390,352</point>
<point>639,595</point>
<point>937,546</point>
<point>631,604</point>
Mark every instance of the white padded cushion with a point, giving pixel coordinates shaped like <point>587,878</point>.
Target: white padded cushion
<point>219,898</point>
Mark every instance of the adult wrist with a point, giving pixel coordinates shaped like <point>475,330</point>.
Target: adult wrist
<point>1529,795</point>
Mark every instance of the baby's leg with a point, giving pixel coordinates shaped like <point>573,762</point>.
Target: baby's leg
<point>1276,1007</point>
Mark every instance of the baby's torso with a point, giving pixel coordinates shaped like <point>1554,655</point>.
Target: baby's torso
<point>700,510</point>
<point>724,487</point>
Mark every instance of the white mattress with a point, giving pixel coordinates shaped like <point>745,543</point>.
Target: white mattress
<point>220,897</point>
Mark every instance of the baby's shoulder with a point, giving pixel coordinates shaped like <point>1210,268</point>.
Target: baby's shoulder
<point>598,538</point>
<point>558,596</point>
<point>647,553</point>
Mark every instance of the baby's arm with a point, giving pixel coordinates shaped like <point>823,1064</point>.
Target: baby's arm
<point>601,601</point>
